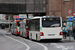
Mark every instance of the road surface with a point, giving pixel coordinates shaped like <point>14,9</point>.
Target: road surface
<point>12,42</point>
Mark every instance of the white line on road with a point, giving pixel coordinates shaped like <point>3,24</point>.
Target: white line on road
<point>45,48</point>
<point>19,42</point>
<point>62,46</point>
<point>42,46</point>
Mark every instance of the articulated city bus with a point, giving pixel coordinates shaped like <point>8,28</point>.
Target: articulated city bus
<point>15,27</point>
<point>41,28</point>
<point>24,29</point>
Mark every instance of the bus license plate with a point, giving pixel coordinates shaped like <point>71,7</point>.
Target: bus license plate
<point>51,34</point>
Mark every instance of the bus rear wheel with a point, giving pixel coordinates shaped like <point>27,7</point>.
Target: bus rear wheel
<point>37,37</point>
<point>12,33</point>
<point>31,37</point>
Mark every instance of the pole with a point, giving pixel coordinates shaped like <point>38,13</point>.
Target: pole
<point>49,7</point>
<point>9,23</point>
<point>69,30</point>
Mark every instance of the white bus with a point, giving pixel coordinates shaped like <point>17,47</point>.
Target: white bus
<point>24,30</point>
<point>41,28</point>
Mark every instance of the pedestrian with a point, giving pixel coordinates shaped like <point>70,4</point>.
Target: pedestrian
<point>64,30</point>
<point>74,32</point>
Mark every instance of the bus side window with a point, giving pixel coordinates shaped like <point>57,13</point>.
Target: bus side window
<point>29,25</point>
<point>37,25</point>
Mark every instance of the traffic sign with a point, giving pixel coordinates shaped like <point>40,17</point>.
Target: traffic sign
<point>74,14</point>
<point>16,16</point>
<point>17,19</point>
<point>69,11</point>
<point>74,18</point>
<point>22,16</point>
<point>69,19</point>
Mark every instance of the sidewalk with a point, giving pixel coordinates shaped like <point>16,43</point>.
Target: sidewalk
<point>67,39</point>
<point>4,31</point>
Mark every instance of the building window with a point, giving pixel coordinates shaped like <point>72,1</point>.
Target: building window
<point>67,0</point>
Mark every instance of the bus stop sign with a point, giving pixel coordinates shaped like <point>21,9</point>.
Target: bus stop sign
<point>69,19</point>
<point>74,18</point>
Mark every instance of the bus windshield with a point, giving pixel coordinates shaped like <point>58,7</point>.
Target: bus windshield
<point>51,22</point>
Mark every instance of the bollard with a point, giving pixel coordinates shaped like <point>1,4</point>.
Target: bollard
<point>69,35</point>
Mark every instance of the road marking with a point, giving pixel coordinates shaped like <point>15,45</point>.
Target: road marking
<point>42,46</point>
<point>19,42</point>
<point>45,48</point>
<point>62,46</point>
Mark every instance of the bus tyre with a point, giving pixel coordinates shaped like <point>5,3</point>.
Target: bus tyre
<point>12,33</point>
<point>37,37</point>
<point>31,37</point>
<point>22,34</point>
<point>25,35</point>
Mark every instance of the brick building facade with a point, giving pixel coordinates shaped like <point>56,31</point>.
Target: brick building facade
<point>59,7</point>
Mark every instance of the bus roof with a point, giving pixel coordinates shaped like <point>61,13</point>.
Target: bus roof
<point>43,17</point>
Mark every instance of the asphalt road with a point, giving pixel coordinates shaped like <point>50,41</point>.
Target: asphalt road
<point>12,42</point>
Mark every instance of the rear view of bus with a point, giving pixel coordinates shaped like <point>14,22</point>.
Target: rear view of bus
<point>16,30</point>
<point>51,28</point>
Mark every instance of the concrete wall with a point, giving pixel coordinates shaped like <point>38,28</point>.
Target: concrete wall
<point>22,6</point>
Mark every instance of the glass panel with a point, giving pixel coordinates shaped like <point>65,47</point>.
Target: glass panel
<point>37,25</point>
<point>37,8</point>
<point>41,8</point>
<point>20,1</point>
<point>44,1</point>
<point>13,1</point>
<point>4,8</point>
<point>22,6</point>
<point>30,1</point>
<point>13,8</point>
<point>37,1</point>
<point>4,1</point>
<point>34,25</point>
<point>30,8</point>
<point>51,22</point>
